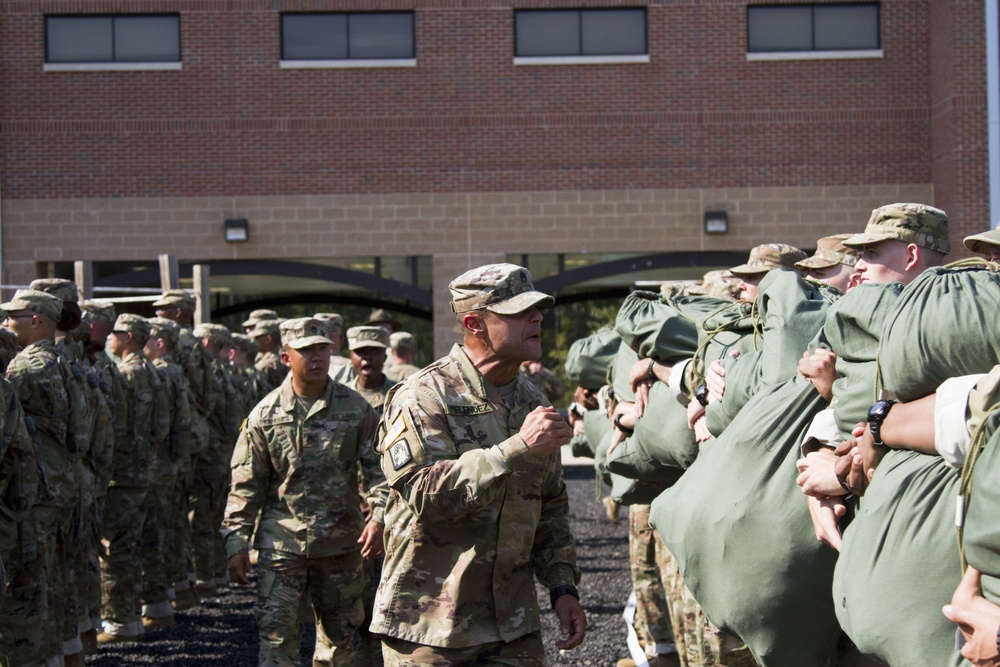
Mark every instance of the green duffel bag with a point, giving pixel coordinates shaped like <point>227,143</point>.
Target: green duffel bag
<point>728,329</point>
<point>899,563</point>
<point>625,491</point>
<point>852,330</point>
<point>596,427</point>
<point>789,312</point>
<point>662,328</point>
<point>588,359</point>
<point>740,530</point>
<point>981,532</point>
<point>662,446</point>
<point>620,367</point>
<point>943,326</point>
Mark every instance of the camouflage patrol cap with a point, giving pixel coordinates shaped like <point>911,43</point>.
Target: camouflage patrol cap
<point>258,315</point>
<point>830,251</point>
<point>366,336</point>
<point>38,302</point>
<point>66,290</point>
<point>216,334</point>
<point>923,225</point>
<point>303,332</point>
<point>101,311</point>
<point>334,322</point>
<point>985,243</point>
<point>264,328</point>
<point>505,289</point>
<point>175,298</point>
<point>380,316</point>
<point>168,330</point>
<point>136,325</point>
<point>402,340</point>
<point>769,256</point>
<point>244,343</point>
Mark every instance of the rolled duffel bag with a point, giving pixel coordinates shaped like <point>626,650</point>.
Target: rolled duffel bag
<point>981,534</point>
<point>620,367</point>
<point>899,557</point>
<point>661,447</point>
<point>740,530</point>
<point>588,359</point>
<point>664,329</point>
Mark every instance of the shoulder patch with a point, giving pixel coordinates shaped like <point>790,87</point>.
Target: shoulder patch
<point>468,410</point>
<point>396,430</point>
<point>400,454</point>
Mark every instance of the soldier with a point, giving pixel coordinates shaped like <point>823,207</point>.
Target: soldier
<point>257,316</point>
<point>268,338</point>
<point>54,415</point>
<point>148,424</point>
<point>368,346</point>
<point>899,242</point>
<point>399,360</point>
<point>832,263</point>
<point>543,379</point>
<point>380,317</point>
<point>764,258</point>
<point>253,382</point>
<point>340,367</point>
<point>478,501</point>
<point>986,244</point>
<point>296,468</point>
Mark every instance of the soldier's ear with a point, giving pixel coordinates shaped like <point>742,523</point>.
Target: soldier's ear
<point>285,359</point>
<point>473,323</point>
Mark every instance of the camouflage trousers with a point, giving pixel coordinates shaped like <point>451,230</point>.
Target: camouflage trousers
<point>88,564</point>
<point>336,587</point>
<point>646,551</point>
<point>526,651</point>
<point>178,545</point>
<point>370,644</point>
<point>208,494</point>
<point>123,519</point>
<point>22,621</point>
<point>699,643</point>
<point>156,511</point>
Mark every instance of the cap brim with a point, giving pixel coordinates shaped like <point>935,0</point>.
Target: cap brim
<point>300,343</point>
<point>248,323</point>
<point>859,241</point>
<point>747,270</point>
<point>815,263</point>
<point>522,302</point>
<point>368,343</point>
<point>13,306</point>
<point>974,243</point>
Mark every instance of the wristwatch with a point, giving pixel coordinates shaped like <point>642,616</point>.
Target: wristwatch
<point>701,395</point>
<point>876,415</point>
<point>561,590</point>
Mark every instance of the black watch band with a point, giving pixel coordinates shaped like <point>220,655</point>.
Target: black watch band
<point>701,395</point>
<point>561,590</point>
<point>621,427</point>
<point>876,415</point>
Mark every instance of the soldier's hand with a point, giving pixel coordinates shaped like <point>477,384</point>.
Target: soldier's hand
<point>715,380</point>
<point>544,431</point>
<point>820,368</point>
<point>572,622</point>
<point>240,568</point>
<point>371,540</point>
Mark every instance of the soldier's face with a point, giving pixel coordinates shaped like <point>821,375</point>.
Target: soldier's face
<point>748,286</point>
<point>309,364</point>
<point>884,262</point>
<point>20,323</point>
<point>838,276</point>
<point>368,360</point>
<point>515,337</point>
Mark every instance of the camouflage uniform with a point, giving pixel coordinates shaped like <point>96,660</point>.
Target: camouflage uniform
<point>467,497</point>
<point>296,467</point>
<point>399,371</point>
<point>148,420</point>
<point>652,618</point>
<point>544,380</point>
<point>269,363</point>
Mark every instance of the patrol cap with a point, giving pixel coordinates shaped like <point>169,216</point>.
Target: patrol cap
<point>264,328</point>
<point>244,343</point>
<point>217,334</point>
<point>101,311</point>
<point>66,290</point>
<point>175,298</point>
<point>830,251</point>
<point>302,332</point>
<point>981,243</point>
<point>38,302</point>
<point>168,330</point>
<point>923,225</point>
<point>367,336</point>
<point>769,256</point>
<point>334,322</point>
<point>133,324</point>
<point>380,316</point>
<point>258,315</point>
<point>402,340</point>
<point>505,289</point>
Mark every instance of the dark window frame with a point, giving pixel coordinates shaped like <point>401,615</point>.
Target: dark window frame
<point>113,17</point>
<point>812,6</point>
<point>408,12</point>
<point>580,11</point>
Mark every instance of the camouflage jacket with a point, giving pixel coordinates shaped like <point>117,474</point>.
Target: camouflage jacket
<point>471,513</point>
<point>174,454</point>
<point>18,469</point>
<point>148,421</point>
<point>341,369</point>
<point>270,365</point>
<point>301,475</point>
<point>375,397</point>
<point>56,419</point>
<point>399,372</point>
<point>96,469</point>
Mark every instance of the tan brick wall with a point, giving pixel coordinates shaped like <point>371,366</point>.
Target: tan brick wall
<point>458,230</point>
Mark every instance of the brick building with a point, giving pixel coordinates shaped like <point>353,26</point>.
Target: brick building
<point>436,135</point>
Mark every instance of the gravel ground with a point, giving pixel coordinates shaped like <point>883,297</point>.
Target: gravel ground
<point>222,631</point>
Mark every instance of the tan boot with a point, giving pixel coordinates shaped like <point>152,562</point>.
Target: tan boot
<point>74,660</point>
<point>159,622</point>
<point>185,598</point>
<point>612,507</point>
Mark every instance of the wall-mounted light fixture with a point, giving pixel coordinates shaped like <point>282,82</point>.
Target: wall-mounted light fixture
<point>237,231</point>
<point>716,222</point>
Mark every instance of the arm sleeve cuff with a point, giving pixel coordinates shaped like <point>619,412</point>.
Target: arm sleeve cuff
<point>512,450</point>
<point>951,430</point>
<point>677,375</point>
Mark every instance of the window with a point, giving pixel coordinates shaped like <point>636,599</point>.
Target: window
<point>368,36</point>
<point>580,33</point>
<point>112,39</point>
<point>813,28</point>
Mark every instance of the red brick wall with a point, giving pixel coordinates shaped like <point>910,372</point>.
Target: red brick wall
<point>466,119</point>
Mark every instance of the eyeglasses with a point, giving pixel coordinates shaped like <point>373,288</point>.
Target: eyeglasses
<point>20,317</point>
<point>118,331</point>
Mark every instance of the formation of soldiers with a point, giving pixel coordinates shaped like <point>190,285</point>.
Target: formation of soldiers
<point>115,465</point>
<point>789,437</point>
